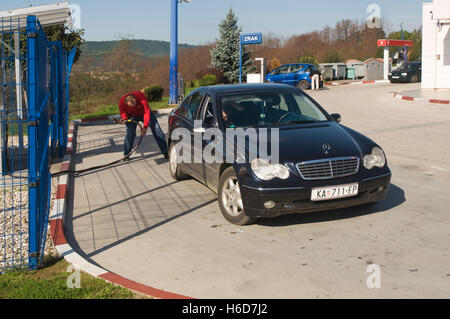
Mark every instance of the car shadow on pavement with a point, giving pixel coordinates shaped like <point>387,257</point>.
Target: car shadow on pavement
<point>394,198</point>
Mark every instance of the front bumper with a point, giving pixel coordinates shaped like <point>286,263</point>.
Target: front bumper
<point>298,200</point>
<point>400,78</point>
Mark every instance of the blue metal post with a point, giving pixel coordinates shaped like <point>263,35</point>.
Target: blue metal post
<point>60,99</point>
<point>173,98</point>
<point>33,248</point>
<point>240,59</point>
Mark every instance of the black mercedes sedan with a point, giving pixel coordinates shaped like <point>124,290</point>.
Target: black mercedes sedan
<point>411,73</point>
<point>293,156</point>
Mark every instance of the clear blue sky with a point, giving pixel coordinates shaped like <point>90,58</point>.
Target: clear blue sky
<point>198,20</point>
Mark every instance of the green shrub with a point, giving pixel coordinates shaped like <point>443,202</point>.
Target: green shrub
<point>154,93</point>
<point>207,80</point>
<point>308,60</point>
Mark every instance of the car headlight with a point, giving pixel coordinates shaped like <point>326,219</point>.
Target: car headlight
<point>390,73</point>
<point>377,158</point>
<point>266,171</point>
<point>404,74</point>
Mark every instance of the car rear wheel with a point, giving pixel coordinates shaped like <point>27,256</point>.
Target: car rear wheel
<point>230,199</point>
<point>303,84</point>
<point>175,169</point>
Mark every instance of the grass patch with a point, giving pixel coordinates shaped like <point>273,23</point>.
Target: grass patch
<point>50,282</point>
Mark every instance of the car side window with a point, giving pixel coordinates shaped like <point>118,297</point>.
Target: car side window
<point>194,104</point>
<point>183,110</point>
<point>296,67</point>
<point>284,69</point>
<point>207,114</point>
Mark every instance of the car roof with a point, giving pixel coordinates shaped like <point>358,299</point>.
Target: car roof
<point>304,64</point>
<point>236,88</point>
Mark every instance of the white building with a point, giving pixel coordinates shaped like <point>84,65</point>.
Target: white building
<point>436,45</point>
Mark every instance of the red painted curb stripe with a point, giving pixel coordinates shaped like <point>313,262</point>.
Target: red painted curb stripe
<point>368,82</point>
<point>407,98</point>
<point>440,101</point>
<point>57,232</point>
<point>111,277</point>
<point>58,237</point>
<point>61,191</point>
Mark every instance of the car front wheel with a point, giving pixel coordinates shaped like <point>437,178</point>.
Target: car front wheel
<point>230,199</point>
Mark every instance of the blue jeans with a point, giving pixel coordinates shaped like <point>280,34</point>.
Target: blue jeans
<point>156,131</point>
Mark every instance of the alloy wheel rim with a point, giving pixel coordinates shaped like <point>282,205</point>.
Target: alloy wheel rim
<point>231,197</point>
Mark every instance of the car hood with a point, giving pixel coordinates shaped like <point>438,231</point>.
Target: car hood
<point>306,142</point>
<point>401,71</point>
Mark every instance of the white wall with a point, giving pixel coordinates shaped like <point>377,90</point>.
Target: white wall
<point>254,78</point>
<point>435,51</point>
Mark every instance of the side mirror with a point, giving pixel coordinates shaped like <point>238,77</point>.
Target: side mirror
<point>336,117</point>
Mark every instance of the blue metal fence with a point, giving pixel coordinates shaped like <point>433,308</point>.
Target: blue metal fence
<point>13,145</point>
<point>34,109</point>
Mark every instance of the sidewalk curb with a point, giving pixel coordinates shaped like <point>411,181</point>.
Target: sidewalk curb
<point>57,220</point>
<point>361,82</point>
<point>423,100</point>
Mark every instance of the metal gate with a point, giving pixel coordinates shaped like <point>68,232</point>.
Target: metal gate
<point>34,123</point>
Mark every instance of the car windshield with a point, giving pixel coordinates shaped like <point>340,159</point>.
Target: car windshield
<point>269,109</point>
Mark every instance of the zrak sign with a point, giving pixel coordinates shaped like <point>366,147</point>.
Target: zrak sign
<point>251,38</point>
<point>395,43</point>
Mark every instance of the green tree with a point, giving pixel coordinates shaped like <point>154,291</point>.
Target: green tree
<point>414,53</point>
<point>70,38</point>
<point>308,60</point>
<point>225,56</point>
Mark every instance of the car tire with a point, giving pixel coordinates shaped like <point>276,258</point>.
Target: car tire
<point>230,200</point>
<point>175,170</point>
<point>303,85</point>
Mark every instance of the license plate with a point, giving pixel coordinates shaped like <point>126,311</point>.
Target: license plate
<point>334,192</point>
<point>396,77</point>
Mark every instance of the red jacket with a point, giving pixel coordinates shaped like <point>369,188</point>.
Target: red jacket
<point>141,108</point>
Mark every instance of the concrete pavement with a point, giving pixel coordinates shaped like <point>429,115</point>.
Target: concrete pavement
<point>134,220</point>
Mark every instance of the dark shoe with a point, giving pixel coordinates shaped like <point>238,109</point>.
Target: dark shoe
<point>166,155</point>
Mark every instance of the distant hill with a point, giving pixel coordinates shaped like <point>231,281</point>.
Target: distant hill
<point>146,48</point>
